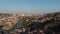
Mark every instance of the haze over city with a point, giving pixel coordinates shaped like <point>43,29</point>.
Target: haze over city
<point>29,16</point>
<point>29,6</point>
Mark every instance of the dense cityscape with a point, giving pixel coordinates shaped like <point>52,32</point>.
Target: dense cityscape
<point>30,24</point>
<point>29,16</point>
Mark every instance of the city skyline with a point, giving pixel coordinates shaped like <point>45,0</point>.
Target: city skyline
<point>29,6</point>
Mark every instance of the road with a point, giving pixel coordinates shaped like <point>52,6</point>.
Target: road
<point>18,24</point>
<point>15,27</point>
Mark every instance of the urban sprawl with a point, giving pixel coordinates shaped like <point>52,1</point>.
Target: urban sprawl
<point>30,24</point>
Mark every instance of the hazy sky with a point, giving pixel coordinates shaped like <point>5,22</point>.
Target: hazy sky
<point>29,6</point>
